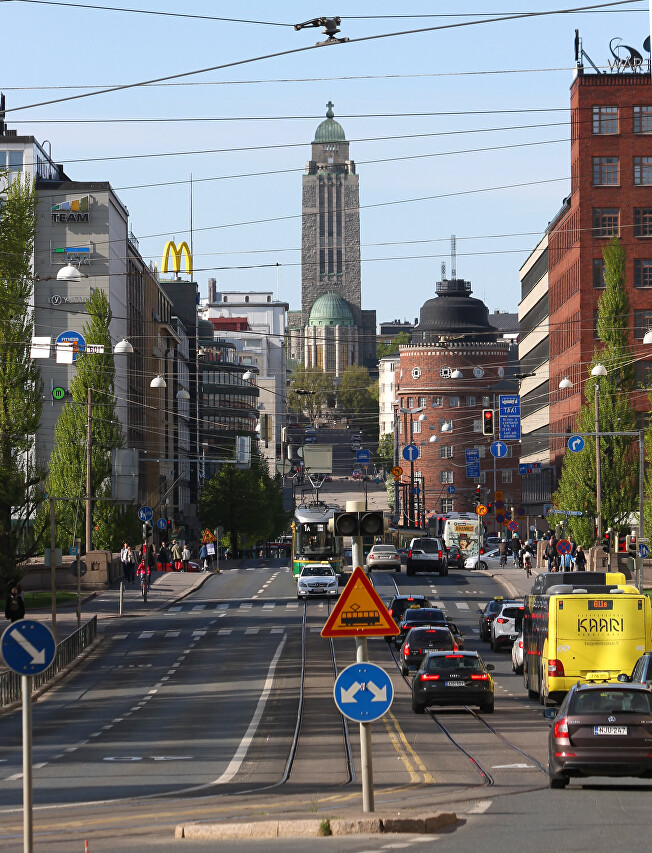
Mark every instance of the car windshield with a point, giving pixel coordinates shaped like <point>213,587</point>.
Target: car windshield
<point>428,636</point>
<point>610,702</point>
<point>384,549</point>
<point>428,546</point>
<point>317,571</point>
<point>513,612</point>
<point>425,614</point>
<point>448,663</point>
<point>494,606</point>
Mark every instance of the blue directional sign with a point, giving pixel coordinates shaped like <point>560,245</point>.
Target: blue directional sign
<point>416,490</point>
<point>363,692</point>
<point>76,339</point>
<point>161,523</point>
<point>473,470</point>
<point>498,449</point>
<point>363,456</point>
<point>509,417</point>
<point>524,468</point>
<point>472,455</point>
<point>451,490</point>
<point>28,647</point>
<point>411,452</point>
<point>643,550</point>
<point>576,443</point>
<point>145,514</point>
<point>508,405</point>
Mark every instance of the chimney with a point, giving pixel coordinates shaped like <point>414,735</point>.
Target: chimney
<point>212,289</point>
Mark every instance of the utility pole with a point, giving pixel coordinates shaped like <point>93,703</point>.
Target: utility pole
<point>89,506</point>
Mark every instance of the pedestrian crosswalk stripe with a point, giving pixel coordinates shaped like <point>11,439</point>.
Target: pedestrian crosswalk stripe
<point>252,630</point>
<point>146,635</point>
<point>225,631</point>
<point>462,605</point>
<point>172,633</point>
<point>199,607</point>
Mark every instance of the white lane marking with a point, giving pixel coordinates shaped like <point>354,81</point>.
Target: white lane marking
<point>120,636</point>
<point>151,692</point>
<point>241,751</point>
<point>246,605</point>
<point>106,728</point>
<point>71,748</point>
<point>199,632</point>
<point>145,635</point>
<point>462,605</point>
<point>14,778</point>
<point>277,630</point>
<point>173,609</point>
<point>479,807</point>
<point>315,629</point>
<point>475,630</point>
<point>171,671</point>
<point>251,630</point>
<point>199,607</point>
<point>222,613</point>
<point>222,606</point>
<point>439,604</point>
<point>172,633</point>
<point>268,606</point>
<point>224,631</point>
<point>260,591</point>
<point>513,767</point>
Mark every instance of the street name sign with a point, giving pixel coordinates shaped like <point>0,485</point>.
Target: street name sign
<point>363,692</point>
<point>359,612</point>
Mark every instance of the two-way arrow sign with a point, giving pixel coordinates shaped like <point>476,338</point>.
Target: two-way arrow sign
<point>379,693</point>
<point>363,692</point>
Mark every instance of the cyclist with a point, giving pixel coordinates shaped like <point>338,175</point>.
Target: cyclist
<point>502,551</point>
<point>143,574</point>
<point>527,562</point>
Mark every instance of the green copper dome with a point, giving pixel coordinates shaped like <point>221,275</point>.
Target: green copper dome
<point>331,310</point>
<point>330,130</point>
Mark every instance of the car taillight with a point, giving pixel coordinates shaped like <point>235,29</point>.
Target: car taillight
<point>390,611</point>
<point>561,728</point>
<point>439,552</point>
<point>520,644</point>
<point>425,677</point>
<point>482,550</point>
<point>479,676</point>
<point>501,620</point>
<point>555,669</point>
<point>410,553</point>
<point>456,648</point>
<point>406,649</point>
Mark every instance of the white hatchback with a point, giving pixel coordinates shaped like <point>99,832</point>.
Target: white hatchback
<point>517,654</point>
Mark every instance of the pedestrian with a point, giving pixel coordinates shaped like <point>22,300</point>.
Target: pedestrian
<point>124,552</point>
<point>151,565</point>
<point>203,557</point>
<point>566,563</point>
<point>580,559</point>
<point>15,606</point>
<point>163,557</point>
<point>131,565</point>
<point>185,557</point>
<point>175,551</point>
<point>551,554</point>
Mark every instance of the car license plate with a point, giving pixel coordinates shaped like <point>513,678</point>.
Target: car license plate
<point>600,675</point>
<point>454,684</point>
<point>609,730</point>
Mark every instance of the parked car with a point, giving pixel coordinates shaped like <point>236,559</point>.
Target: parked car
<point>489,560</point>
<point>453,678</point>
<point>421,641</point>
<point>517,654</point>
<point>383,557</point>
<point>600,730</point>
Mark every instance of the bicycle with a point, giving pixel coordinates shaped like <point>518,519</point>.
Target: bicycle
<point>143,586</point>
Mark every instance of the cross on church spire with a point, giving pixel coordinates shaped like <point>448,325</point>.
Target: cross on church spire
<point>329,111</point>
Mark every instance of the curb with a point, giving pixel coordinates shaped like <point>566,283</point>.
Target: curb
<point>315,827</point>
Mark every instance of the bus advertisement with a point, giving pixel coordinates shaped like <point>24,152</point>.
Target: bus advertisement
<point>464,529</point>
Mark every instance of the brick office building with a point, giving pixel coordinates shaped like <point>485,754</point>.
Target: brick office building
<point>611,193</point>
<point>456,366</point>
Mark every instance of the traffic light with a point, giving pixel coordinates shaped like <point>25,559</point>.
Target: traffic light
<point>490,507</point>
<point>630,542</point>
<point>487,422</point>
<point>372,523</point>
<point>606,542</point>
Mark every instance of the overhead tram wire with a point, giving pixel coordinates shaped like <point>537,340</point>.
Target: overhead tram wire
<point>297,50</point>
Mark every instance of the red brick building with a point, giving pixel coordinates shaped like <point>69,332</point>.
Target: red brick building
<point>611,193</point>
<point>456,366</point>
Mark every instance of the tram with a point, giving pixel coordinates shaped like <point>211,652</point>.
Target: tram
<point>311,540</point>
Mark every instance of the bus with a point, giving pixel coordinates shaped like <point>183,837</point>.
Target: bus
<point>311,540</point>
<point>464,529</point>
<point>572,635</point>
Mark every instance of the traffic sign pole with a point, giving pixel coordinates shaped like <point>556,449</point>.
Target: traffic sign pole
<point>366,763</point>
<point>28,827</point>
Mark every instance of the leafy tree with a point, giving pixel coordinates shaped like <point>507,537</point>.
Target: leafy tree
<point>21,388</point>
<point>619,476</point>
<point>247,503</point>
<point>385,452</point>
<point>319,386</point>
<point>385,349</point>
<point>359,398</point>
<point>111,524</point>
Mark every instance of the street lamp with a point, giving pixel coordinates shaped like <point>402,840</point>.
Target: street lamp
<point>158,382</point>
<point>598,371</point>
<point>565,383</point>
<point>647,337</point>
<point>123,347</point>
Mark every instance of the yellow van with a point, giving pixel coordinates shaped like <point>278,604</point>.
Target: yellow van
<point>571,636</point>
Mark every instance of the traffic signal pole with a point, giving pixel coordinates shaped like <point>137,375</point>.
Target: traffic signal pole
<point>357,552</point>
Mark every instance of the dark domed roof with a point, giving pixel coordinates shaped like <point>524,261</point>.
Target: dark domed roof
<point>330,130</point>
<point>454,312</point>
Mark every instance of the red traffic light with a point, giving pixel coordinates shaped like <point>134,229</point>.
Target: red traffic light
<point>487,421</point>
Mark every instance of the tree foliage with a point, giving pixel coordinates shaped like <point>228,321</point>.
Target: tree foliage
<point>111,524</point>
<point>247,503</point>
<point>391,347</point>
<point>21,388</point>
<point>385,452</point>
<point>319,386</point>
<point>358,396</point>
<point>619,467</point>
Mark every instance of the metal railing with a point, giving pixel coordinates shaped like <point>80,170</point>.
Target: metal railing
<point>67,651</point>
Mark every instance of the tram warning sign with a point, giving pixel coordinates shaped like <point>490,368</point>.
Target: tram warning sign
<point>359,612</point>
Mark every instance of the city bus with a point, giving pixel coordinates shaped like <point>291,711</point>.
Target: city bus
<point>311,540</point>
<point>464,529</point>
<point>572,635</point>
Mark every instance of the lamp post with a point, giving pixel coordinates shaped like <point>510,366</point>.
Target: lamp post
<point>598,371</point>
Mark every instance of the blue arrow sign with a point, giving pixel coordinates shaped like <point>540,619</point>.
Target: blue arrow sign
<point>363,456</point>
<point>363,692</point>
<point>498,449</point>
<point>145,514</point>
<point>411,452</point>
<point>576,443</point>
<point>643,550</point>
<point>161,523</point>
<point>28,647</point>
<point>451,490</point>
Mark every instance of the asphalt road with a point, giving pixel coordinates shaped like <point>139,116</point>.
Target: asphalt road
<point>188,714</point>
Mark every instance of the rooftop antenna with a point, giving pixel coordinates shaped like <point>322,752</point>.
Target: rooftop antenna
<point>2,113</point>
<point>277,277</point>
<point>581,54</point>
<point>453,258</point>
<point>191,252</point>
<point>443,270</point>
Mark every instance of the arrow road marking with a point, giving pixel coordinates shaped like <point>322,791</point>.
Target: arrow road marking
<point>36,655</point>
<point>349,695</point>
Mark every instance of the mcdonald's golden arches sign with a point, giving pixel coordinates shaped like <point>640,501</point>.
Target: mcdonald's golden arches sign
<point>177,255</point>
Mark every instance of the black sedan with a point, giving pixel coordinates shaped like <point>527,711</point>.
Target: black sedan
<point>601,730</point>
<point>417,616</point>
<point>455,558</point>
<point>421,641</point>
<point>453,678</point>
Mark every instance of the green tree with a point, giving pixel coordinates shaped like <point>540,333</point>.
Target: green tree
<point>21,388</point>
<point>359,399</point>
<point>391,347</point>
<point>247,503</point>
<point>619,475</point>
<point>111,524</point>
<point>317,384</point>
<point>385,452</point>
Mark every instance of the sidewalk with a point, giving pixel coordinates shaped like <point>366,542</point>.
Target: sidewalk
<point>515,580</point>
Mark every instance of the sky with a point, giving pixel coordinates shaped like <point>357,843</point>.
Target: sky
<point>463,130</point>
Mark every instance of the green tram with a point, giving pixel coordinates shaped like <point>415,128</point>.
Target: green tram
<point>312,542</point>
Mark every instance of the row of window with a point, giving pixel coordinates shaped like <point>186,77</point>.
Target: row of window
<point>227,401</point>
<point>208,422</point>
<point>642,272</point>
<point>606,171</point>
<point>606,222</point>
<point>11,160</point>
<point>222,377</point>
<point>446,477</point>
<point>605,120</point>
<point>437,402</point>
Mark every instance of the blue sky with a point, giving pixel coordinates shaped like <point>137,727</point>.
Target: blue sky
<point>279,102</point>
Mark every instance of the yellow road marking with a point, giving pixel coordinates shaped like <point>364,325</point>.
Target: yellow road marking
<point>427,776</point>
<point>414,776</point>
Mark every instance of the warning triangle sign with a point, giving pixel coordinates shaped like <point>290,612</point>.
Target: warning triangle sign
<point>208,537</point>
<point>359,612</point>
